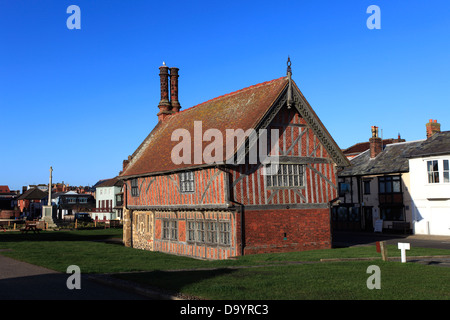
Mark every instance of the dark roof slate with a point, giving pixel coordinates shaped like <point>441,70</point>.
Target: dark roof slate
<point>437,144</point>
<point>394,158</point>
<point>33,194</point>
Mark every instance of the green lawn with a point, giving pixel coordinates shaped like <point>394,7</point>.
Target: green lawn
<point>265,276</point>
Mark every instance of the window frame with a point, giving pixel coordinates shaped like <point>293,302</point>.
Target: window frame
<point>134,187</point>
<point>390,181</point>
<point>169,229</point>
<point>433,174</point>
<point>446,171</point>
<point>187,182</point>
<point>209,232</point>
<point>287,176</point>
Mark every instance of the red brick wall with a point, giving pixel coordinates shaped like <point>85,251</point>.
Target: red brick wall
<point>286,230</point>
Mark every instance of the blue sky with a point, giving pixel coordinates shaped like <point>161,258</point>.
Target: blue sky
<point>83,100</point>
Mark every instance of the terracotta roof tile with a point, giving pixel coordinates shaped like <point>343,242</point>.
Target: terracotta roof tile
<point>242,109</point>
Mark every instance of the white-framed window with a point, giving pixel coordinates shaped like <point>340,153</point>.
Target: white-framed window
<point>433,171</point>
<point>187,182</point>
<point>438,171</point>
<point>446,171</point>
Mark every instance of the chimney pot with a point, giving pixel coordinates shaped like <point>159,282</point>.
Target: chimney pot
<point>164,104</point>
<point>432,127</point>
<point>376,143</point>
<point>175,104</point>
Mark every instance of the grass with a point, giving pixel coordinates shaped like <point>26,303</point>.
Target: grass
<point>320,281</point>
<point>265,276</point>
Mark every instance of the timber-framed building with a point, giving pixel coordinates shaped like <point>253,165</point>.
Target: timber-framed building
<point>220,209</point>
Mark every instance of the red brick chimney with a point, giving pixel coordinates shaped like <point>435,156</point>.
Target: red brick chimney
<point>164,104</point>
<point>174,90</point>
<point>376,143</point>
<point>432,127</point>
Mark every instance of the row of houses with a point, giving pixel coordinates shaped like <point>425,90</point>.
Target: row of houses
<point>231,206</point>
<point>402,186</point>
<point>102,201</point>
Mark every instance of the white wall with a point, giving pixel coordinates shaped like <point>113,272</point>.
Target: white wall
<point>107,194</point>
<point>431,200</point>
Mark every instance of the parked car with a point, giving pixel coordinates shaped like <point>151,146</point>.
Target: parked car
<point>83,217</point>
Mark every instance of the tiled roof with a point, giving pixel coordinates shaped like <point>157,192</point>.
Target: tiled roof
<point>33,194</point>
<point>363,146</point>
<point>110,183</point>
<point>394,158</point>
<point>241,109</point>
<point>437,144</point>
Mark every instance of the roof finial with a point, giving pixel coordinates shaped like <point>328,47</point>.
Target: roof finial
<point>289,66</point>
<point>289,93</point>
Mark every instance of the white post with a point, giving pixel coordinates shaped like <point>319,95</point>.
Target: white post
<point>403,247</point>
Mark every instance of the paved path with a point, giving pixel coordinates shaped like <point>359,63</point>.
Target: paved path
<point>24,281</point>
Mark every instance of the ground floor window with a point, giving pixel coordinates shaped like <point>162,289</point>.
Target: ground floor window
<point>208,231</point>
<point>224,233</point>
<point>170,229</point>
<point>392,213</point>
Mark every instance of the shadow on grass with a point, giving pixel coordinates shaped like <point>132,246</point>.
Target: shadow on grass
<point>173,282</point>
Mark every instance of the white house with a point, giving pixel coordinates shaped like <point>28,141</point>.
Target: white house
<point>107,207</point>
<point>430,185</point>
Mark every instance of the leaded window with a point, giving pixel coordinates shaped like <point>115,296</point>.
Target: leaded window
<point>285,175</point>
<point>187,182</point>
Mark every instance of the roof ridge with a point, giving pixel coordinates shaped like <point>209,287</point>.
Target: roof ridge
<point>230,94</point>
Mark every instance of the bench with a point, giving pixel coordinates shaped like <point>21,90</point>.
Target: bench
<point>30,226</point>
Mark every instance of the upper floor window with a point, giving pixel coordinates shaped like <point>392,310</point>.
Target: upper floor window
<point>82,200</point>
<point>187,184</point>
<point>366,186</point>
<point>433,168</point>
<point>285,175</point>
<point>433,171</point>
<point>389,184</point>
<point>134,188</point>
<point>446,172</point>
<point>71,200</point>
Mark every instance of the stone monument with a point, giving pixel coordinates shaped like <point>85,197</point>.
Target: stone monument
<point>47,212</point>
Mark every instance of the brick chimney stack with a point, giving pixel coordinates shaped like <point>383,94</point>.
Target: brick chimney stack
<point>432,127</point>
<point>164,104</point>
<point>174,90</point>
<point>376,143</point>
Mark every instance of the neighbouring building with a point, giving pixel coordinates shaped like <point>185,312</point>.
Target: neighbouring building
<point>65,204</point>
<point>403,185</point>
<point>30,204</point>
<point>185,195</point>
<point>360,147</point>
<point>108,200</point>
<point>8,203</point>
<point>430,183</point>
